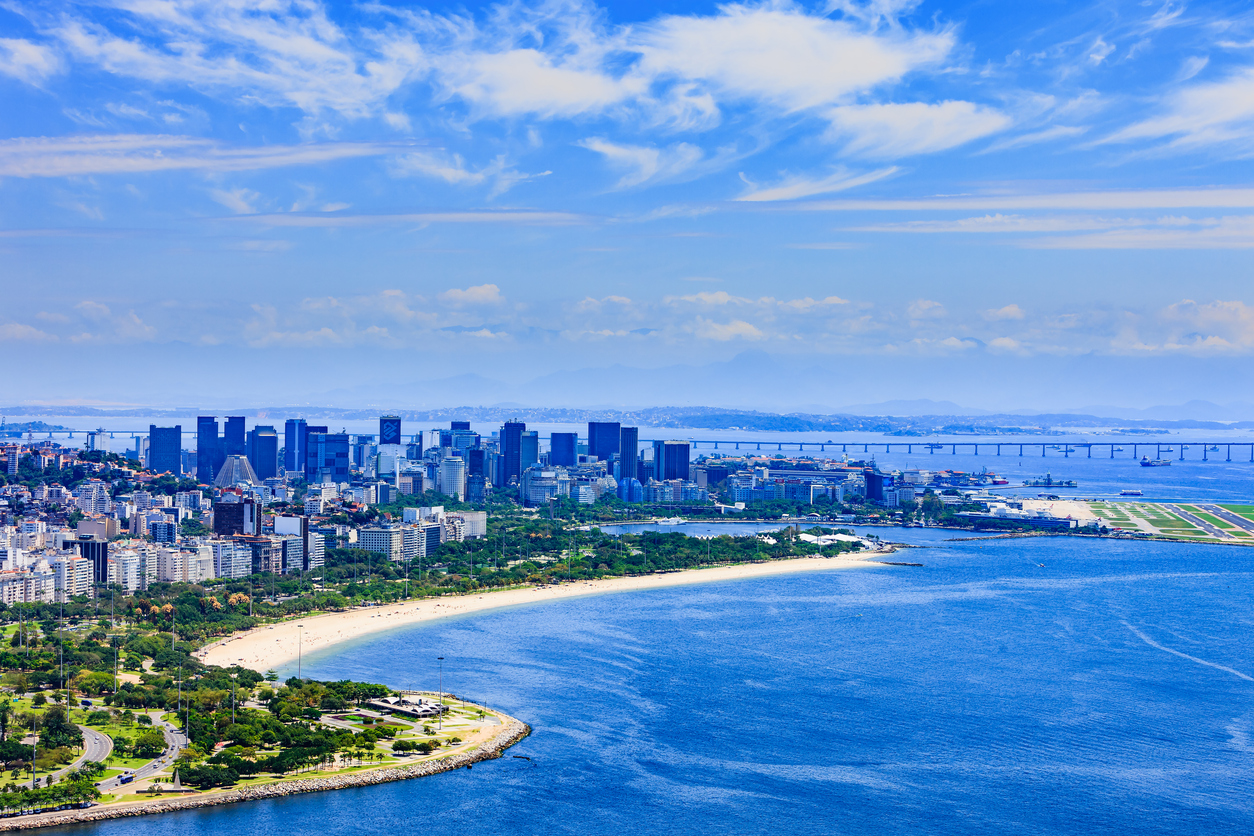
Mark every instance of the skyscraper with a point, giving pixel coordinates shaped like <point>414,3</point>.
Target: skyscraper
<point>603,439</point>
<point>209,455</point>
<point>461,425</point>
<point>529,449</point>
<point>562,449</point>
<point>670,460</point>
<point>390,429</point>
<point>294,432</point>
<point>629,453</point>
<point>263,451</point>
<point>327,456</point>
<point>234,438</point>
<point>511,450</point>
<point>165,446</point>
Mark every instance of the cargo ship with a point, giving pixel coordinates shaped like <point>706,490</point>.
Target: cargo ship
<point>1146,461</point>
<point>1131,493</point>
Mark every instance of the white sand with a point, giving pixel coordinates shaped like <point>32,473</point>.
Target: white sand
<point>271,646</point>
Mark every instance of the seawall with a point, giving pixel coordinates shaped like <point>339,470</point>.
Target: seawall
<point>513,732</point>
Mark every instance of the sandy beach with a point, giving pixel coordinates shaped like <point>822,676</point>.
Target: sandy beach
<point>274,645</point>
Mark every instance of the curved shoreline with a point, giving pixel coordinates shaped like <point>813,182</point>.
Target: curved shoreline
<point>270,646</point>
<point>511,733</point>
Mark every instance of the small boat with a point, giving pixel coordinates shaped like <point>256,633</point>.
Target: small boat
<point>1214,448</point>
<point>1146,461</point>
<point>1131,493</point>
<point>1118,449</point>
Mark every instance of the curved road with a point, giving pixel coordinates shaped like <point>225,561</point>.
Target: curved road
<point>97,746</point>
<point>175,742</point>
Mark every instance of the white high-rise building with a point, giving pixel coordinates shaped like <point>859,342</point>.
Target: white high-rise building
<point>231,559</point>
<point>453,477</point>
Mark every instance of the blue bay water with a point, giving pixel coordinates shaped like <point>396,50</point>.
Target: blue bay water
<point>1106,691</point>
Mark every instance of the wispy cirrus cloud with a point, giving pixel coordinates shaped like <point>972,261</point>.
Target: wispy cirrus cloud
<point>140,153</point>
<point>645,164</point>
<point>1205,115</point>
<point>799,186</point>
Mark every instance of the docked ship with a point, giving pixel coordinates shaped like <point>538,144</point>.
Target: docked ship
<point>1146,461</point>
<point>1050,482</point>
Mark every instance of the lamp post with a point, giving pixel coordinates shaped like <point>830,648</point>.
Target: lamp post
<point>440,717</point>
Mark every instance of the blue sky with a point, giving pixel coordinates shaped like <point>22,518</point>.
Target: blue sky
<point>922,199</point>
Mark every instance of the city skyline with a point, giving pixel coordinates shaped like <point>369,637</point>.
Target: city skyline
<point>628,204</point>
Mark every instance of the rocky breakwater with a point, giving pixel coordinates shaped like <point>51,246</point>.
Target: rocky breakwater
<point>511,733</point>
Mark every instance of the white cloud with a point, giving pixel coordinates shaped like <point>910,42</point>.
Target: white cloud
<point>134,153</point>
<point>1214,113</point>
<point>26,61</point>
<point>526,81</point>
<point>792,188</point>
<point>1036,137</point>
<point>1008,312</point>
<point>1005,223</point>
<point>736,329</point>
<point>888,131</point>
<point>337,219</point>
<point>23,332</point>
<point>285,53</point>
<point>484,294</point>
<point>645,164</point>
<point>780,55</point>
<point>1100,51</point>
<point>1226,233</point>
<point>239,200</point>
<point>925,309</point>
<point>1109,200</point>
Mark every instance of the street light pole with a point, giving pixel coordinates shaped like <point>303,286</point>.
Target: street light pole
<point>440,717</point>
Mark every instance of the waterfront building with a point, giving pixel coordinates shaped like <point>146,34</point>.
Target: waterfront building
<point>387,540</point>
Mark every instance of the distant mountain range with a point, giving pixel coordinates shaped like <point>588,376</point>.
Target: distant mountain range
<point>946,420</point>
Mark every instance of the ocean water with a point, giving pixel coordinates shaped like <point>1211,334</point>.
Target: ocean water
<point>1037,686</point>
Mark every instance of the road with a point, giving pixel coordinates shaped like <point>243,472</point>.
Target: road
<point>175,742</point>
<point>1194,519</point>
<point>96,747</point>
<point>1227,516</point>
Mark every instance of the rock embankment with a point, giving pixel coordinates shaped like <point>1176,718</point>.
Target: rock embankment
<point>513,732</point>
